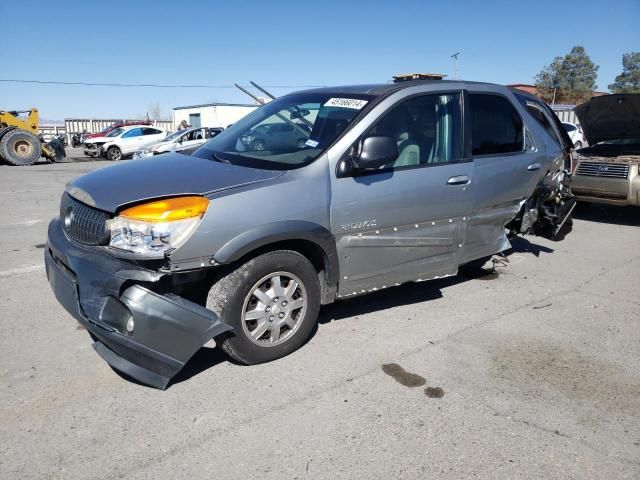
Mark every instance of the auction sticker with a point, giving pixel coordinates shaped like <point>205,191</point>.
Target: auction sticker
<point>346,103</point>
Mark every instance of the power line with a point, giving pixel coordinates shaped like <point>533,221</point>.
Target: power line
<point>148,85</point>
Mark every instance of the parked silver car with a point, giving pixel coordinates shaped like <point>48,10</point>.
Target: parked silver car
<point>393,183</point>
<point>184,141</point>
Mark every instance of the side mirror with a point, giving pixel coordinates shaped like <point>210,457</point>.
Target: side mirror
<point>376,152</point>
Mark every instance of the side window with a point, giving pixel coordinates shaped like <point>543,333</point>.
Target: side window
<point>537,113</point>
<point>496,126</point>
<point>427,130</point>
<point>136,132</point>
<point>150,131</point>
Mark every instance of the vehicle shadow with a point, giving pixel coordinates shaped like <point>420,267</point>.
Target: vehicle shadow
<point>406,294</point>
<point>611,214</point>
<point>523,245</point>
<point>203,359</point>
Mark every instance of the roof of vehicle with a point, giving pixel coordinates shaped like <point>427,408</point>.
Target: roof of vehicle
<point>378,89</point>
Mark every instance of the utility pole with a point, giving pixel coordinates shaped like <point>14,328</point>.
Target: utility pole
<point>455,65</point>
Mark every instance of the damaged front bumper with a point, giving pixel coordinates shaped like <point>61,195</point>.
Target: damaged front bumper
<point>144,334</point>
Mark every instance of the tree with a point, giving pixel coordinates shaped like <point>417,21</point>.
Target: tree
<point>548,81</point>
<point>568,79</point>
<point>155,111</point>
<point>629,80</point>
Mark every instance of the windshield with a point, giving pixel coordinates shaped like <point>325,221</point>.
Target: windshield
<point>173,136</point>
<point>290,132</point>
<point>116,132</point>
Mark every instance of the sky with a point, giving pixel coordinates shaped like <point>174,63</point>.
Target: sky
<point>285,44</point>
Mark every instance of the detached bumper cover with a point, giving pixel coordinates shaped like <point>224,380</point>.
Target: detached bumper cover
<point>146,335</point>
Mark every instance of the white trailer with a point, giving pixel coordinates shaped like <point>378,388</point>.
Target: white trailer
<point>211,114</point>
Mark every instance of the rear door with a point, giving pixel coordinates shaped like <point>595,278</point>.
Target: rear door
<point>506,170</point>
<point>406,221</point>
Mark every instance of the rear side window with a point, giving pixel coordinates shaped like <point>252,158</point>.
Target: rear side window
<point>537,113</point>
<point>150,131</point>
<point>496,126</point>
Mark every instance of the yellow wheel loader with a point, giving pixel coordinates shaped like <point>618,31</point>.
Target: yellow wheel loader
<point>19,143</point>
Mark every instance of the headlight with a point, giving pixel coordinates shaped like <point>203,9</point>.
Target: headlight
<point>156,227</point>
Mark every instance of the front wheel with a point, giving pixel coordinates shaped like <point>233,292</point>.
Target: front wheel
<point>578,145</point>
<point>114,154</point>
<point>272,302</point>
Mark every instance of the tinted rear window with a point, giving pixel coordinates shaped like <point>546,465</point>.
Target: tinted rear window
<point>496,126</point>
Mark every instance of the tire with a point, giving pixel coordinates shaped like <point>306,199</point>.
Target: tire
<point>114,154</point>
<point>578,145</point>
<point>234,294</point>
<point>258,145</point>
<point>19,147</point>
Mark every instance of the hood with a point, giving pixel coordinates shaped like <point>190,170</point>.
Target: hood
<point>94,135</point>
<point>99,139</point>
<point>610,117</point>
<point>166,175</point>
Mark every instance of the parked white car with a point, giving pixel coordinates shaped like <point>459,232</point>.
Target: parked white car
<point>180,141</point>
<point>123,141</point>
<point>575,134</point>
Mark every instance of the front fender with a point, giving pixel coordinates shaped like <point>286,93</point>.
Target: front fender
<point>289,230</point>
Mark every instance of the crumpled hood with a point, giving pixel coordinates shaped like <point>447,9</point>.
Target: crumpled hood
<point>610,117</point>
<point>170,174</point>
<point>99,139</point>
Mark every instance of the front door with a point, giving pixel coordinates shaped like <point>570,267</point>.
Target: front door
<point>407,220</point>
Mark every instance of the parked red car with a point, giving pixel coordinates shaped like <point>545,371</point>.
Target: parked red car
<point>113,126</point>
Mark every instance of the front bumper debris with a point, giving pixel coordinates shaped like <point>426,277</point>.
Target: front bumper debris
<point>144,334</point>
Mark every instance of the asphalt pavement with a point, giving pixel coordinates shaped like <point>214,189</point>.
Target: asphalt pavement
<point>529,372</point>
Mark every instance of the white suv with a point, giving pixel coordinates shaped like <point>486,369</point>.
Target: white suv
<point>125,141</point>
<point>575,134</point>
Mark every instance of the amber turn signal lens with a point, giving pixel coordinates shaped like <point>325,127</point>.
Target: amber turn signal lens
<point>178,208</point>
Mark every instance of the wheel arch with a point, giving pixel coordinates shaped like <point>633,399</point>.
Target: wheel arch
<point>313,241</point>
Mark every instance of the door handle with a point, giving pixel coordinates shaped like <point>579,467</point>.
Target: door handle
<point>533,167</point>
<point>458,180</point>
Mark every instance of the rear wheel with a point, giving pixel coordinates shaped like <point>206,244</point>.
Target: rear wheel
<point>19,147</point>
<point>114,154</point>
<point>272,302</point>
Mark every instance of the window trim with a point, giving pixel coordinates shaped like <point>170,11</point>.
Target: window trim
<point>541,109</point>
<point>470,126</point>
<point>463,157</point>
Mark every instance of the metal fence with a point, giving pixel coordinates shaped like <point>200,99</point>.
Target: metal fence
<point>566,113</point>
<point>92,125</point>
<point>48,131</point>
<point>95,125</point>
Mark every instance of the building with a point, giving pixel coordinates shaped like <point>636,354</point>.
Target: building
<point>212,114</point>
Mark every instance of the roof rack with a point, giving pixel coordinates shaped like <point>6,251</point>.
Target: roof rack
<point>405,77</point>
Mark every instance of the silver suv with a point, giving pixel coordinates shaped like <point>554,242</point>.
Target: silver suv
<point>242,243</point>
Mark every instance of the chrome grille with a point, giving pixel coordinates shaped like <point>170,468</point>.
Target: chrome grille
<point>609,170</point>
<point>82,223</point>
